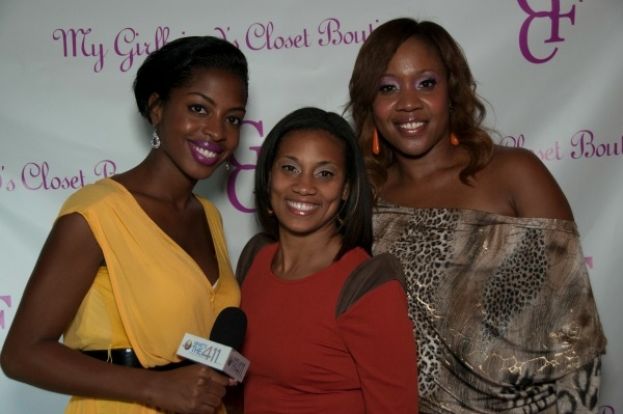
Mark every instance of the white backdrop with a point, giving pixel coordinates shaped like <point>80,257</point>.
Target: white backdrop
<point>550,70</point>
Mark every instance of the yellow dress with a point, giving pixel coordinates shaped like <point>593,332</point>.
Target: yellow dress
<point>149,294</point>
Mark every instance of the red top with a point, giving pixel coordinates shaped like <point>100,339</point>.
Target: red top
<point>305,360</point>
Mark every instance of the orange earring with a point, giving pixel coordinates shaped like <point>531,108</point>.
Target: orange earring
<point>376,145</point>
<point>454,140</point>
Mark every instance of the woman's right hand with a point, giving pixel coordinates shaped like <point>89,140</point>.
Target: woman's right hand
<point>194,389</point>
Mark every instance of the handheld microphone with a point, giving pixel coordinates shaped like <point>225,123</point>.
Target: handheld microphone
<point>220,351</point>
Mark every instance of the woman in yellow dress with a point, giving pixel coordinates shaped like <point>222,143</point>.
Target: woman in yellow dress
<point>135,261</point>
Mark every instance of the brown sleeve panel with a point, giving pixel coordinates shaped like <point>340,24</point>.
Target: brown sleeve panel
<point>367,276</point>
<point>249,252</point>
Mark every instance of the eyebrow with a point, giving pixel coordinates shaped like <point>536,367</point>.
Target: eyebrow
<point>422,72</point>
<point>213,103</point>
<point>319,164</point>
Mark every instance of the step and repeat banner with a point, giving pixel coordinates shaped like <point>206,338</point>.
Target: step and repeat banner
<point>551,72</point>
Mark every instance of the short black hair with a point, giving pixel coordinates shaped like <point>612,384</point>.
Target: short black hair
<point>355,213</point>
<point>174,64</point>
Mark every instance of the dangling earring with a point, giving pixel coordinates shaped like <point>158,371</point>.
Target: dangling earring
<point>454,140</point>
<point>376,145</point>
<point>227,165</point>
<point>155,140</point>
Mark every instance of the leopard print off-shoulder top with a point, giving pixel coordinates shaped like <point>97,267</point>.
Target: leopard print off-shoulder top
<point>504,314</point>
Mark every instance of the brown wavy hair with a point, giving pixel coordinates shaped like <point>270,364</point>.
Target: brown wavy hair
<point>467,110</point>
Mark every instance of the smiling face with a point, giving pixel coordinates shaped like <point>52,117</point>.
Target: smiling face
<point>199,124</point>
<point>307,182</point>
<point>411,107</point>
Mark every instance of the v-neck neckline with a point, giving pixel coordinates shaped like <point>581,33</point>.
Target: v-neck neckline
<point>170,239</point>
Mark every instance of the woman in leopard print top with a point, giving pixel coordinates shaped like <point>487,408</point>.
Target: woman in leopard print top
<point>503,310</point>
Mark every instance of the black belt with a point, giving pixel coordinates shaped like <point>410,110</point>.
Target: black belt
<point>127,357</point>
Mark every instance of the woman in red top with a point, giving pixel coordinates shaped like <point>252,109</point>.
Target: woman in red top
<point>328,330</point>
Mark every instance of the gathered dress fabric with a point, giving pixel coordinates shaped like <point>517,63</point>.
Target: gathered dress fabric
<point>149,293</point>
<point>336,341</point>
<point>503,310</point>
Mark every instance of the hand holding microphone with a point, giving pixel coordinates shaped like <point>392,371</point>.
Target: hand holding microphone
<point>220,352</point>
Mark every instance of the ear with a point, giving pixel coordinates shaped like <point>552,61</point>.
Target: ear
<point>155,109</point>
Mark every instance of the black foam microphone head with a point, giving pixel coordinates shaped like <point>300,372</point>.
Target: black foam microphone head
<point>230,327</point>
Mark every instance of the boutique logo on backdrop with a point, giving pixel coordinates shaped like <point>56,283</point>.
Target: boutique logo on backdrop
<point>127,45</point>
<point>582,145</point>
<point>78,43</point>
<point>555,17</point>
<point>6,184</point>
<point>5,303</point>
<point>40,176</point>
<point>267,36</point>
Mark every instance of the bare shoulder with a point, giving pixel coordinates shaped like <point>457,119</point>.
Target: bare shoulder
<point>70,254</point>
<point>64,271</point>
<point>509,159</point>
<point>532,189</point>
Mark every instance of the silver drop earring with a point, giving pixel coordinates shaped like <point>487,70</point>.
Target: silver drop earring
<point>227,166</point>
<point>155,140</point>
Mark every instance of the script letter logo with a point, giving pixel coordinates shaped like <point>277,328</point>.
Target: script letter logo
<point>238,167</point>
<point>7,301</point>
<point>606,409</point>
<point>554,15</point>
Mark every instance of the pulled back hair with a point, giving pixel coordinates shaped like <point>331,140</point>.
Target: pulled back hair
<point>467,111</point>
<point>354,217</point>
<point>174,64</point>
